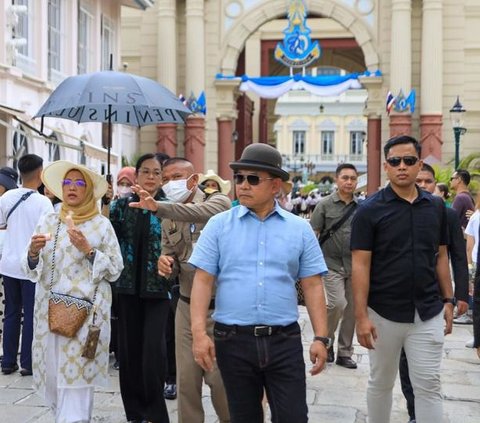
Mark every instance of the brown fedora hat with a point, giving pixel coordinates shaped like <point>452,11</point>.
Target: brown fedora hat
<point>261,156</point>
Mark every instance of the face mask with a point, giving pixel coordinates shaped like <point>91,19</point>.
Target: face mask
<point>123,191</point>
<point>177,191</point>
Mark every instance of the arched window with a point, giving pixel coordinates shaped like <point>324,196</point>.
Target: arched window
<point>53,148</point>
<point>299,130</point>
<point>19,145</point>
<point>82,158</point>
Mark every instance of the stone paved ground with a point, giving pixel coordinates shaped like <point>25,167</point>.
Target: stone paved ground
<point>335,396</point>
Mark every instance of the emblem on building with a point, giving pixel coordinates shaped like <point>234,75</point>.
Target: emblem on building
<point>297,49</point>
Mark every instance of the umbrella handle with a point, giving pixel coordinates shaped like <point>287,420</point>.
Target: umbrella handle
<point>106,200</point>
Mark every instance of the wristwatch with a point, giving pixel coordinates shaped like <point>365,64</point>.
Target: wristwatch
<point>324,339</point>
<point>452,300</point>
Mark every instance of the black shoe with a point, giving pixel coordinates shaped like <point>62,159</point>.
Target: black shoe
<point>170,391</point>
<point>346,362</point>
<point>26,372</point>
<point>330,355</point>
<point>116,365</point>
<point>9,370</point>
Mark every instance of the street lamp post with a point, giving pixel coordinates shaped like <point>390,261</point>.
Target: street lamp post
<point>309,166</point>
<point>456,116</point>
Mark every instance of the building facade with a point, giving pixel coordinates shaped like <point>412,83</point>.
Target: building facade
<point>42,43</point>
<point>431,46</point>
<point>315,134</point>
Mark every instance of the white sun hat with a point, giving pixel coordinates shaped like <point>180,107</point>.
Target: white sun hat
<point>225,186</point>
<point>53,174</point>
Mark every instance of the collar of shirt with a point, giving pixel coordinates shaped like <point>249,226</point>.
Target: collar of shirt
<point>336,198</point>
<point>243,211</point>
<point>390,195</point>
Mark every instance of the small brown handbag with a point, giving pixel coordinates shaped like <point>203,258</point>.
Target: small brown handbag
<point>66,313</point>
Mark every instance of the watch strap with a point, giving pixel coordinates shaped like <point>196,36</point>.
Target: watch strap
<point>324,340</point>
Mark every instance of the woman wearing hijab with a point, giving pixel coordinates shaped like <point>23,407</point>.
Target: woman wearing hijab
<point>78,251</point>
<point>125,180</point>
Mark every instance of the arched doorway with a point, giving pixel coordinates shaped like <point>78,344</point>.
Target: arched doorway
<point>356,53</point>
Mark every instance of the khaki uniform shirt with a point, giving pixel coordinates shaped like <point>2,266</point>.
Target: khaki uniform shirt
<point>336,250</point>
<point>181,227</point>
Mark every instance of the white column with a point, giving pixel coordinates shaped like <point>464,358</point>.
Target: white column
<point>167,44</point>
<point>432,58</point>
<point>195,49</point>
<point>401,47</point>
<point>253,52</point>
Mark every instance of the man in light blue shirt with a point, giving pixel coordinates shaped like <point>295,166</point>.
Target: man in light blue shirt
<point>256,252</point>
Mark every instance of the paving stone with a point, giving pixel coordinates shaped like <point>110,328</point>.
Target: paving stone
<point>337,395</point>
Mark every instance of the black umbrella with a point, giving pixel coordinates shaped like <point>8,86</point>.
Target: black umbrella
<point>113,97</point>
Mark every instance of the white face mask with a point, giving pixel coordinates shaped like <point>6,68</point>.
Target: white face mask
<point>123,191</point>
<point>177,191</point>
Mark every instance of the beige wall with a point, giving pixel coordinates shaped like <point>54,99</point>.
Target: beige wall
<point>27,87</point>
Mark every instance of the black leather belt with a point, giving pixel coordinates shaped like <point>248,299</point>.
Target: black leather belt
<point>211,306</point>
<point>255,330</point>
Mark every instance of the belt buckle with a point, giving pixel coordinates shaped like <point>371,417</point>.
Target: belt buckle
<point>262,330</point>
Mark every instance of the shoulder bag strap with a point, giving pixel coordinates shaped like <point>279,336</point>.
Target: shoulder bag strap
<point>337,225</point>
<point>22,198</point>
<point>53,255</point>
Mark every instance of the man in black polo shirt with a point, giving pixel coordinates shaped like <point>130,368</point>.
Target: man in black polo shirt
<point>401,284</point>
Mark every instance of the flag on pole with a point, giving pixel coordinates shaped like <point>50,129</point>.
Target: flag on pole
<point>390,102</point>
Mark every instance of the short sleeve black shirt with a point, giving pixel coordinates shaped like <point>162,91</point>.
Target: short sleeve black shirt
<point>404,239</point>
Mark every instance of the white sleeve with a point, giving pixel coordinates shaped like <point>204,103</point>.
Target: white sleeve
<point>472,226</point>
<point>2,215</point>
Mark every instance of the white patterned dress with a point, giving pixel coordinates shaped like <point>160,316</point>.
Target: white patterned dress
<point>73,275</point>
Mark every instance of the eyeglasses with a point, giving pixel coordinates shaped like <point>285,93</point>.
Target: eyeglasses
<point>408,160</point>
<point>148,172</point>
<point>453,177</point>
<point>77,182</point>
<point>251,179</point>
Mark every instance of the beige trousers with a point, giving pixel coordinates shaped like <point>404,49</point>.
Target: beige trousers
<point>190,375</point>
<point>338,286</point>
<point>423,345</point>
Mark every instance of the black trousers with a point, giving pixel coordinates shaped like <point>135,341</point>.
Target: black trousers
<point>171,376</point>
<point>142,357</point>
<point>114,326</point>
<point>251,364</point>
<point>407,388</point>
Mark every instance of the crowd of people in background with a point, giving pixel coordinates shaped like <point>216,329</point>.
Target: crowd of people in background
<point>147,253</point>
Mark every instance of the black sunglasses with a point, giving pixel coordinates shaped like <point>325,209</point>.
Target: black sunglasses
<point>408,160</point>
<point>251,179</point>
